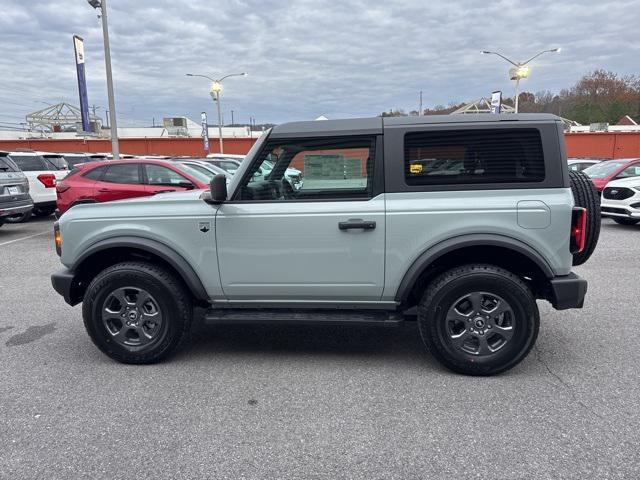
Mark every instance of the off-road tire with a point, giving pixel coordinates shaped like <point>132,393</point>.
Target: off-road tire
<point>441,295</point>
<point>585,195</point>
<point>170,294</point>
<point>625,221</point>
<point>20,218</point>
<point>44,212</point>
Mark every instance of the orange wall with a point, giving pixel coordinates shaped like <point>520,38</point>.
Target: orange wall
<point>137,146</point>
<point>598,145</point>
<point>603,145</point>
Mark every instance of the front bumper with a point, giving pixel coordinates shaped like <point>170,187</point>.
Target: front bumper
<point>567,291</point>
<point>66,284</point>
<point>619,210</point>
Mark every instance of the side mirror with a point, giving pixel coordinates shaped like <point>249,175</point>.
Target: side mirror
<point>219,188</point>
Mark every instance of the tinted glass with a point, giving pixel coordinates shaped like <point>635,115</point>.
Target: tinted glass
<point>31,163</point>
<point>159,175</point>
<point>123,173</point>
<point>73,160</point>
<point>57,161</point>
<point>339,168</point>
<point>7,165</point>
<point>473,156</point>
<point>95,174</point>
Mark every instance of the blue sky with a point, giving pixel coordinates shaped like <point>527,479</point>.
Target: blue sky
<point>344,58</point>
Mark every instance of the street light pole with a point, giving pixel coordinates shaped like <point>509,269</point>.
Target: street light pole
<point>214,91</point>
<point>216,98</point>
<point>520,70</point>
<point>102,6</point>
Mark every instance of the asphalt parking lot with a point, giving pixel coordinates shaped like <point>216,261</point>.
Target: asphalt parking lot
<point>293,402</point>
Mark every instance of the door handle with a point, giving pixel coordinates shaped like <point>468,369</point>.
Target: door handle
<point>354,223</point>
<point>162,191</point>
<point>103,190</point>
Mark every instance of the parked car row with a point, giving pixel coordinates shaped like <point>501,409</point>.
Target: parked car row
<point>618,182</point>
<point>137,177</point>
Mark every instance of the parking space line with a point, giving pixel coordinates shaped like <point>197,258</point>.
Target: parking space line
<point>23,238</point>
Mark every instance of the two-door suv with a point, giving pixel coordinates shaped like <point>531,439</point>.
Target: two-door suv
<point>469,218</point>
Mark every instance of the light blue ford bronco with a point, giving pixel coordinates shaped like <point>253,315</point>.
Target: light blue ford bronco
<point>462,220</point>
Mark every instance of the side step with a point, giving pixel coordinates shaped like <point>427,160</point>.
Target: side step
<point>306,317</point>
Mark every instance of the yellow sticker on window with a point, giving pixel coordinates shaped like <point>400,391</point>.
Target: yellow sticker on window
<point>415,168</point>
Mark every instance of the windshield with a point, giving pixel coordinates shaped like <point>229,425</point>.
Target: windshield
<point>31,163</point>
<point>201,177</point>
<point>604,169</point>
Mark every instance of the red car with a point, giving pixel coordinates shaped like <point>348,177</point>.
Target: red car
<point>119,179</point>
<point>603,172</point>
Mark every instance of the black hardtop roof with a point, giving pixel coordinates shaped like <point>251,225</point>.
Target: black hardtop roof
<point>374,125</point>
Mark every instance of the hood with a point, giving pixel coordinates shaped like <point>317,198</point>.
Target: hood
<point>625,182</point>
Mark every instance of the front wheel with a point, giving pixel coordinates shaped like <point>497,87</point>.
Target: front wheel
<point>136,312</point>
<point>625,221</point>
<point>478,319</point>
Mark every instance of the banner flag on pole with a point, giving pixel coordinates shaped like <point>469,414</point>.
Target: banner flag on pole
<point>205,132</point>
<point>496,101</point>
<point>78,45</point>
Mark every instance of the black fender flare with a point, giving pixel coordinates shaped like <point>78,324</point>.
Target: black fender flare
<point>174,259</point>
<point>471,240</point>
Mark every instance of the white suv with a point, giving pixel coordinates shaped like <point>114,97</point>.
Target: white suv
<point>621,200</point>
<point>42,175</point>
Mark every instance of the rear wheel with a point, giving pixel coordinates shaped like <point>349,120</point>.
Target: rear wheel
<point>626,221</point>
<point>44,211</point>
<point>21,218</point>
<point>586,196</point>
<point>136,312</point>
<point>478,319</point>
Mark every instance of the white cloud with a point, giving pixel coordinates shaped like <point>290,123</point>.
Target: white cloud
<point>340,58</point>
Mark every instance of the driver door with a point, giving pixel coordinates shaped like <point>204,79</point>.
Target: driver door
<point>323,242</point>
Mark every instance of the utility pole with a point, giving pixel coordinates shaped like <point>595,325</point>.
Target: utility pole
<point>102,6</point>
<point>232,118</point>
<point>420,107</point>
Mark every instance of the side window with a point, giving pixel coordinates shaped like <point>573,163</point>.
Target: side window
<point>289,170</point>
<point>31,163</point>
<point>122,173</point>
<point>473,156</point>
<point>632,171</point>
<point>159,175</point>
<point>95,174</point>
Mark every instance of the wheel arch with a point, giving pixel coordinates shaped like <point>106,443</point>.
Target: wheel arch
<point>114,250</point>
<point>507,252</point>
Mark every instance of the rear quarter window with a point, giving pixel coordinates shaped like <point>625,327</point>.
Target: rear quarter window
<point>473,156</point>
<point>95,173</point>
<point>6,165</point>
<point>32,163</point>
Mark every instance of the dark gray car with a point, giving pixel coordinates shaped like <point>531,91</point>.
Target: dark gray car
<point>14,190</point>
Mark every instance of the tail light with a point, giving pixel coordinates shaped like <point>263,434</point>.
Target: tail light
<point>47,179</point>
<point>578,229</point>
<point>61,187</point>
